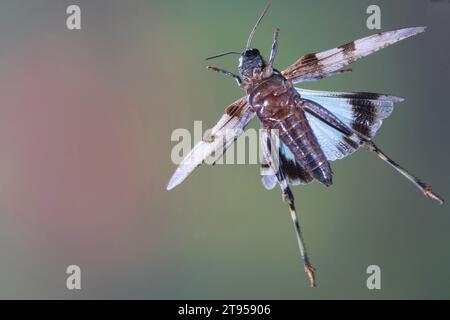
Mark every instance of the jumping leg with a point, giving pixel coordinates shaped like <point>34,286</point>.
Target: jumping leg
<point>270,144</point>
<point>426,190</point>
<point>289,199</point>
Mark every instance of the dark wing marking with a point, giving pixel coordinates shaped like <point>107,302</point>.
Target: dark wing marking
<point>225,132</point>
<point>361,112</point>
<point>364,112</point>
<point>286,166</point>
<point>292,170</point>
<point>315,66</point>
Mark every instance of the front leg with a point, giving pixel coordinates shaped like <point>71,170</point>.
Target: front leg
<point>268,70</point>
<point>273,52</point>
<point>241,84</point>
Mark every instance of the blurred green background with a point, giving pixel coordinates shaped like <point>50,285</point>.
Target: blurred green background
<point>85,124</point>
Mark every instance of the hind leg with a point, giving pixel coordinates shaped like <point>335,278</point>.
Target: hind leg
<point>289,199</point>
<point>426,190</point>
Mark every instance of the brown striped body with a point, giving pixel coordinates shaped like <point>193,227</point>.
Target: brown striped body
<point>279,107</point>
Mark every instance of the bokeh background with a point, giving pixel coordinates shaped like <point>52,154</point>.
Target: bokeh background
<point>85,124</point>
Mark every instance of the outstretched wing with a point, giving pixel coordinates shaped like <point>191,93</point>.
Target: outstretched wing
<point>315,66</point>
<point>362,113</point>
<point>237,115</point>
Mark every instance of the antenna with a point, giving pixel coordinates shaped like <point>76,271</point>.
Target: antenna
<point>252,33</point>
<point>223,54</point>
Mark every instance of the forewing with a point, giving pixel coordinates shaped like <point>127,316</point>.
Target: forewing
<point>223,134</point>
<point>315,66</point>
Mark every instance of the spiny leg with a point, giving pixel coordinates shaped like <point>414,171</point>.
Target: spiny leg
<point>273,52</point>
<point>230,74</point>
<point>288,197</point>
<point>369,145</point>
